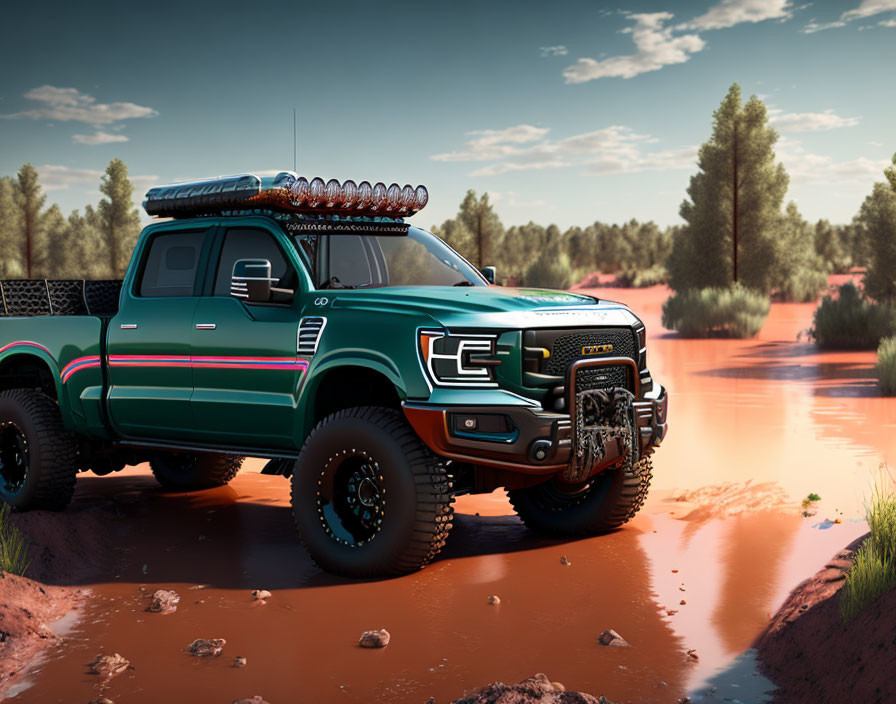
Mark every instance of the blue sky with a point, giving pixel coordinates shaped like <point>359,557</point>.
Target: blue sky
<point>565,112</point>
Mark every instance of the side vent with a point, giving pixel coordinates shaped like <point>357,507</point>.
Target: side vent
<point>310,331</point>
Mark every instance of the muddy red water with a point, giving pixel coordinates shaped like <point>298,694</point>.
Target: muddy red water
<point>755,426</point>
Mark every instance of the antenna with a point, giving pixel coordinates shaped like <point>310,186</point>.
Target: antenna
<point>293,139</point>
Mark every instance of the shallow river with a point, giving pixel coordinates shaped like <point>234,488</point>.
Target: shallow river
<point>769,411</point>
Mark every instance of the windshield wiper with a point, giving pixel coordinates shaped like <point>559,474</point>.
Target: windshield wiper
<point>334,282</point>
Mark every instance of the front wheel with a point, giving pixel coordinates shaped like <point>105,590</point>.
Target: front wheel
<point>184,471</point>
<point>368,497</point>
<point>607,501</point>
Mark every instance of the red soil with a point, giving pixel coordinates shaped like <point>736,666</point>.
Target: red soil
<point>815,658</point>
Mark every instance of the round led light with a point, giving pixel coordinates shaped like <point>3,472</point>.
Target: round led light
<point>316,192</point>
<point>378,199</point>
<point>407,198</point>
<point>365,195</point>
<point>393,198</point>
<point>349,194</point>
<point>421,197</point>
<point>333,193</point>
<point>299,191</point>
<point>284,179</point>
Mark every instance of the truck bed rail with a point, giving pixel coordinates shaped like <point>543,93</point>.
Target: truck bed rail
<point>33,297</point>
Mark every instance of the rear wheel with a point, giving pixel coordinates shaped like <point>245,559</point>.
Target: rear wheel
<point>38,457</point>
<point>199,471</point>
<point>607,501</point>
<point>369,498</point>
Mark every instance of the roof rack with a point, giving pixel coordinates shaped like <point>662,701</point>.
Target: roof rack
<point>285,192</point>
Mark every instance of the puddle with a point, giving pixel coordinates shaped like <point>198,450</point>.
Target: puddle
<point>755,426</point>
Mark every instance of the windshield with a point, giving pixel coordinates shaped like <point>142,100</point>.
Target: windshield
<point>372,261</point>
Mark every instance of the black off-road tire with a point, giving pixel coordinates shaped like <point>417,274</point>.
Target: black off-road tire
<point>610,500</point>
<point>51,453</point>
<point>184,471</point>
<point>413,509</point>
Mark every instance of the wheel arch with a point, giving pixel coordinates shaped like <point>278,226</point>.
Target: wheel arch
<point>34,368</point>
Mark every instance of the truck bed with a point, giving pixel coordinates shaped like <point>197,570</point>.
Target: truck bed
<point>34,297</point>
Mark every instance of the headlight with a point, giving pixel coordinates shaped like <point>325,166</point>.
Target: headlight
<point>458,360</point>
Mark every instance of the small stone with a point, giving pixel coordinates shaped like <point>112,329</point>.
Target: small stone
<point>671,612</point>
<point>239,661</point>
<point>558,687</point>
<point>261,594</point>
<point>612,639</point>
<point>109,666</point>
<point>375,639</point>
<point>674,571</point>
<point>682,589</point>
<point>564,560</point>
<point>101,700</point>
<point>692,654</point>
<point>257,699</point>
<point>494,600</point>
<point>202,648</point>
<point>197,587</point>
<point>682,602</point>
<point>164,601</point>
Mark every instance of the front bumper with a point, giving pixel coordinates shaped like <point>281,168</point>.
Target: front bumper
<point>534,431</point>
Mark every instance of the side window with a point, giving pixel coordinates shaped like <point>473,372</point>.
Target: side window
<point>247,243</point>
<point>348,260</point>
<point>170,268</point>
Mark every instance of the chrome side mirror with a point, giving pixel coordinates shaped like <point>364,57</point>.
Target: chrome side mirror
<point>251,280</point>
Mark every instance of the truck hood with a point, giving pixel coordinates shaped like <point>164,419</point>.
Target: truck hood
<point>488,306</point>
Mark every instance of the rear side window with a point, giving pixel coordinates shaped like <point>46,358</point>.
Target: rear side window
<point>250,243</point>
<point>171,264</point>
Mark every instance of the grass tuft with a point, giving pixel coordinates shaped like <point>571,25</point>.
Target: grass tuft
<point>886,366</point>
<point>874,571</point>
<point>729,312</point>
<point>13,546</point>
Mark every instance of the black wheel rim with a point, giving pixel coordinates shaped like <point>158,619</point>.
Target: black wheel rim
<point>14,458</point>
<point>351,498</point>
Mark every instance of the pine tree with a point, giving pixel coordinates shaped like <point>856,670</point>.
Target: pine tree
<point>54,246</point>
<point>117,217</point>
<point>479,218</point>
<point>890,173</point>
<point>735,202</point>
<point>877,222</point>
<point>10,246</point>
<point>30,202</point>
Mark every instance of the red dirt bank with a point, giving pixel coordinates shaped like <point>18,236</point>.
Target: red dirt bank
<point>814,657</point>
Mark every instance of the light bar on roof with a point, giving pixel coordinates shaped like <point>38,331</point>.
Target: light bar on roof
<point>285,192</point>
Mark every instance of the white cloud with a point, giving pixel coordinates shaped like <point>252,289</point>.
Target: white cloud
<point>614,149</point>
<point>98,137</point>
<point>731,12</point>
<point>54,177</point>
<point>806,167</point>
<point>809,121</point>
<point>558,50</point>
<point>867,8</point>
<point>71,105</point>
<point>656,47</point>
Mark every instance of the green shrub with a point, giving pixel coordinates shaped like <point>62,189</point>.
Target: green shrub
<point>642,278</point>
<point>886,365</point>
<point>851,321</point>
<point>13,546</point>
<point>730,312</point>
<point>803,285</point>
<point>874,571</point>
<point>549,271</point>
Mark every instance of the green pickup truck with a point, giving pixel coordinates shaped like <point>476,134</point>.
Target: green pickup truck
<point>309,324</point>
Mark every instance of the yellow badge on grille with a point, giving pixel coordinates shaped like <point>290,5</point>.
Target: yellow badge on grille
<point>589,350</point>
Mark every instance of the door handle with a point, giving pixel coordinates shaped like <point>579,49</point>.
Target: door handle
<point>205,326</point>
<point>129,326</point>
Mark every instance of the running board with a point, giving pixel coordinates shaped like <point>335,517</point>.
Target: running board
<point>216,449</point>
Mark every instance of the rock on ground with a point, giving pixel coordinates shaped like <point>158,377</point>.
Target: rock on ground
<point>164,601</point>
<point>257,699</point>
<point>537,689</point>
<point>108,666</point>
<point>612,639</point>
<point>375,639</point>
<point>207,648</point>
<point>261,594</point>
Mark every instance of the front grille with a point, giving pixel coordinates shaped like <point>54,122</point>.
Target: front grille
<point>567,348</point>
<point>589,379</point>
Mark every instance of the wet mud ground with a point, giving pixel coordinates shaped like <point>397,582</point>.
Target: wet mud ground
<point>754,426</point>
